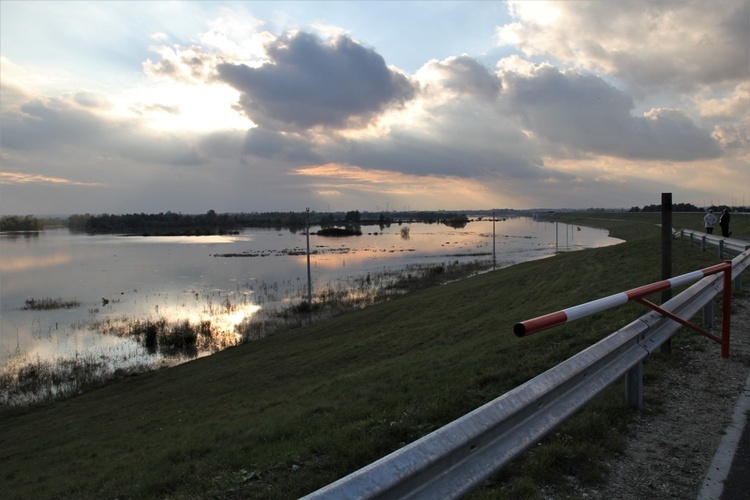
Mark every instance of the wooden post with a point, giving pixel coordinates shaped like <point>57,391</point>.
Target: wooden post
<point>666,254</point>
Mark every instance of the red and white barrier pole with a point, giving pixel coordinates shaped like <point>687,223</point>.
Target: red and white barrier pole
<point>560,317</point>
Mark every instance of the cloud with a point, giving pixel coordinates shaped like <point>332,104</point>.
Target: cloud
<point>309,83</point>
<point>609,99</point>
<point>355,186</point>
<point>141,109</point>
<point>585,113</point>
<point>270,144</point>
<point>62,124</point>
<point>92,100</point>
<point>462,75</point>
<point>646,43</point>
<point>456,126</point>
<point>733,105</point>
<point>188,65</point>
<point>8,178</point>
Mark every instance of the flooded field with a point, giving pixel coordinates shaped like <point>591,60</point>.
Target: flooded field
<point>67,295</point>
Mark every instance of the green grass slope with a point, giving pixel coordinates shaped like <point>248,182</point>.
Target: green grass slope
<point>283,416</point>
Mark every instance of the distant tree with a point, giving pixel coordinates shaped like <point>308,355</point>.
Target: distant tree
<point>384,221</point>
<point>456,221</point>
<point>16,223</point>
<point>353,217</point>
<point>685,207</point>
<point>211,218</point>
<point>634,209</point>
<point>327,221</point>
<point>77,222</point>
<point>676,207</point>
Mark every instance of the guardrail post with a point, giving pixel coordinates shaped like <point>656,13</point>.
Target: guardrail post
<point>738,283</point>
<point>708,314</point>
<point>634,387</point>
<point>691,239</point>
<point>721,249</point>
<point>703,243</point>
<point>726,311</point>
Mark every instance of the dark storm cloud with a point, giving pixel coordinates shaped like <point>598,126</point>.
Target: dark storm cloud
<point>312,83</point>
<point>585,113</point>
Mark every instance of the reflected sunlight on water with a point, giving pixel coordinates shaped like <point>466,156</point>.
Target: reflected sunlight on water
<point>26,262</point>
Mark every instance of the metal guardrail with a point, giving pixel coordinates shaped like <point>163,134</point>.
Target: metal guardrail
<point>733,246</point>
<point>453,460</point>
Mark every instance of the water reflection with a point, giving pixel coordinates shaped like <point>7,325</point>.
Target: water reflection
<point>27,262</point>
<point>227,282</point>
<point>16,235</point>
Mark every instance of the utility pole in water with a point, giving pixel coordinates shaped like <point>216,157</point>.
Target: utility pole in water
<point>309,278</point>
<point>494,260</point>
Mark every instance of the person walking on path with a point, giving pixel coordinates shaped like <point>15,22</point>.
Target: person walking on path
<point>709,221</point>
<point>724,223</point>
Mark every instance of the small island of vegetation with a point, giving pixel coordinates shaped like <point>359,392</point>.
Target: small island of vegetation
<point>49,303</point>
<point>340,231</point>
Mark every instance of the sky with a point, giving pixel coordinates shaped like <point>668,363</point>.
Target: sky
<point>190,106</point>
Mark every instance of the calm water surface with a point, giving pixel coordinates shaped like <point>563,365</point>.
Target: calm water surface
<point>121,279</point>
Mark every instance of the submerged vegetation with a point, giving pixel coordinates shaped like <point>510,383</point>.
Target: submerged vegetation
<point>168,343</point>
<point>48,303</point>
<point>339,231</point>
<point>28,382</point>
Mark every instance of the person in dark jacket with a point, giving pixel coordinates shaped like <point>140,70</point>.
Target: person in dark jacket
<point>724,223</point>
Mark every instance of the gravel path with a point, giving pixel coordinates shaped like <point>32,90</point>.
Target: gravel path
<point>674,438</point>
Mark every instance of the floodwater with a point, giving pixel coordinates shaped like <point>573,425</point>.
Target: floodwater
<point>114,280</point>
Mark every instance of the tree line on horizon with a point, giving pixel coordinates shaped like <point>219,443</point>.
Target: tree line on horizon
<point>688,207</point>
<point>211,222</point>
<point>16,223</point>
<point>171,223</point>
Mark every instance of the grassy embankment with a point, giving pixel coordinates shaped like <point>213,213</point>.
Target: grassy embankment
<point>282,416</point>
